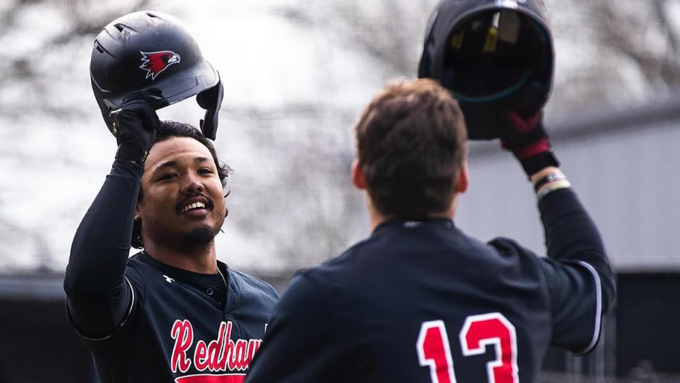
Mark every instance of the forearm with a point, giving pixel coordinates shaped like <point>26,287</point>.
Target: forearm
<point>570,233</point>
<point>569,230</point>
<point>94,280</point>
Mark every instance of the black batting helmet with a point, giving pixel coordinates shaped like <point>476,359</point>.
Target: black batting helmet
<point>489,53</point>
<point>144,50</point>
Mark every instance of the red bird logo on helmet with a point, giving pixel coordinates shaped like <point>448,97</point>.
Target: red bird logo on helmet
<point>156,62</point>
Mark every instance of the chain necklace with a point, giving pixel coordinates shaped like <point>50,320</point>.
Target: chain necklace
<point>223,279</point>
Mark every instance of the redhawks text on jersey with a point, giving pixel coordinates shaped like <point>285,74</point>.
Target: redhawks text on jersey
<point>212,359</point>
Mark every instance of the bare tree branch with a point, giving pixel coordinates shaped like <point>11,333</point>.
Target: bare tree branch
<point>670,68</point>
<point>626,34</point>
<point>82,21</point>
<point>391,35</point>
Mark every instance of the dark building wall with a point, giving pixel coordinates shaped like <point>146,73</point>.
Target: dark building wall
<point>37,344</point>
<point>648,323</point>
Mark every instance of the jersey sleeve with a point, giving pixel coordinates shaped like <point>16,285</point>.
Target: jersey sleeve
<point>99,296</point>
<point>301,340</point>
<point>577,302</point>
<point>577,272</point>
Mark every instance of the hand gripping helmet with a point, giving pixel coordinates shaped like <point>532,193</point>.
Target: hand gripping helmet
<point>144,50</point>
<point>489,53</point>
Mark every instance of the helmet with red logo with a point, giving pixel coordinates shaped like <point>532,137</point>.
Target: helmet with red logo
<point>492,55</point>
<point>145,50</point>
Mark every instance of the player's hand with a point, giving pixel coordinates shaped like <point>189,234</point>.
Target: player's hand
<point>522,132</point>
<point>135,124</point>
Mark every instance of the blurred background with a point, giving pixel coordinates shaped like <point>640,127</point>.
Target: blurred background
<point>296,75</point>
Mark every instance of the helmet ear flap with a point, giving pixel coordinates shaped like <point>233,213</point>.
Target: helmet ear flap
<point>211,100</point>
<point>425,65</point>
<point>106,107</point>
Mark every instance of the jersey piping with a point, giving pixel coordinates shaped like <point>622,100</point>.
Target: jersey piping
<point>598,307</point>
<point>127,316</point>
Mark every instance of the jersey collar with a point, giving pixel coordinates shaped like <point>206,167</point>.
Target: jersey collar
<point>414,223</point>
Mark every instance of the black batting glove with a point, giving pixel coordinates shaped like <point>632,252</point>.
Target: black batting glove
<point>135,124</point>
<point>529,142</point>
<point>522,131</point>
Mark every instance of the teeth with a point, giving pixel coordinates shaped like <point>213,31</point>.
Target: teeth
<point>195,205</point>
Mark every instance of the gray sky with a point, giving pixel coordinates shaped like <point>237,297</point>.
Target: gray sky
<point>291,88</point>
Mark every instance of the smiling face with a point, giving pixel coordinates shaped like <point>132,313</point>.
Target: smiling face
<point>182,202</point>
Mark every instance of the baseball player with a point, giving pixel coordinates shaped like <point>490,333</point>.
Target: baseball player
<point>419,300</point>
<point>172,312</point>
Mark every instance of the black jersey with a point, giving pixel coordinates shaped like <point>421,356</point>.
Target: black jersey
<point>177,332</point>
<point>420,301</point>
<point>145,321</point>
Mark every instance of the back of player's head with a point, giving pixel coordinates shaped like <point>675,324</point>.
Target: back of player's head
<point>172,129</point>
<point>411,144</point>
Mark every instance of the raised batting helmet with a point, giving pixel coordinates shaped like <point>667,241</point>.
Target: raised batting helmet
<point>490,54</point>
<point>144,50</point>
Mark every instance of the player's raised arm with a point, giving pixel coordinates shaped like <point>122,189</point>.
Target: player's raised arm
<point>578,272</point>
<point>171,312</point>
<point>99,297</point>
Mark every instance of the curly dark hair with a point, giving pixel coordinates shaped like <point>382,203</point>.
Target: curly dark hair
<point>170,129</point>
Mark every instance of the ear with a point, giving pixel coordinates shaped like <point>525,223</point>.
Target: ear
<point>358,179</point>
<point>463,180</point>
<point>138,211</point>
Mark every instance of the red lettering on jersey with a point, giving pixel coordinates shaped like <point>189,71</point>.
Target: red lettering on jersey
<point>478,332</point>
<point>215,355</point>
<point>201,356</point>
<point>237,357</point>
<point>183,334</point>
<point>219,355</point>
<point>494,329</point>
<point>253,346</point>
<point>434,351</point>
<point>223,358</point>
<point>216,351</point>
<point>230,378</point>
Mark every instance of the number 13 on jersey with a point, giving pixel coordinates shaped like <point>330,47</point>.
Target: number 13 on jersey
<point>478,331</point>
